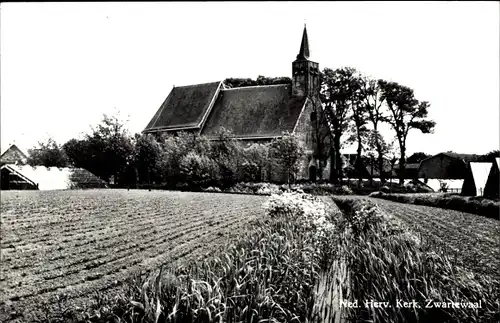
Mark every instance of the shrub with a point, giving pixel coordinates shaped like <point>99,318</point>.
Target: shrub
<point>212,189</point>
<point>198,170</point>
<point>268,188</point>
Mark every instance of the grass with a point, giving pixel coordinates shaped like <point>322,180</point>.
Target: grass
<point>475,205</point>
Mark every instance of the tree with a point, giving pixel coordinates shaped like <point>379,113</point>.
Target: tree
<point>48,154</point>
<point>377,147</point>
<point>489,157</point>
<point>392,153</point>
<point>336,95</point>
<point>112,145</point>
<point>106,151</point>
<point>358,130</point>
<point>256,159</point>
<point>261,80</point>
<point>228,153</point>
<point>288,153</point>
<point>198,170</point>
<point>174,148</point>
<point>373,105</point>
<point>147,157</point>
<point>417,157</point>
<point>405,113</point>
<point>79,153</point>
<point>321,136</point>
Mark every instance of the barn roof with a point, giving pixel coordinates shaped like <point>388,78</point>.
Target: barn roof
<point>255,111</point>
<point>185,107</point>
<point>54,178</point>
<point>465,157</point>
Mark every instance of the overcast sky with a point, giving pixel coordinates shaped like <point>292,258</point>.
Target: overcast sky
<point>64,65</point>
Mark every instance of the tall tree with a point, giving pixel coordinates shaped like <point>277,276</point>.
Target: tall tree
<point>359,114</point>
<point>405,113</point>
<point>321,136</point>
<point>373,103</point>
<point>336,94</point>
<point>48,154</point>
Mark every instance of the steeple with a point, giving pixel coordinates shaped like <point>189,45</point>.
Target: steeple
<point>304,46</point>
<point>305,72</point>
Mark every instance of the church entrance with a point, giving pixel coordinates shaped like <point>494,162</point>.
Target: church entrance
<point>312,173</point>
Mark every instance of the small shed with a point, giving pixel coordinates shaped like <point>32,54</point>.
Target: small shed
<point>476,178</point>
<point>492,187</point>
<point>47,178</point>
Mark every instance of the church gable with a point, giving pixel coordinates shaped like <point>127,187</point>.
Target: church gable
<point>185,107</point>
<point>258,111</point>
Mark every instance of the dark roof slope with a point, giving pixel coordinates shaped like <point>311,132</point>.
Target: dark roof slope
<point>185,107</point>
<point>465,157</point>
<point>257,111</point>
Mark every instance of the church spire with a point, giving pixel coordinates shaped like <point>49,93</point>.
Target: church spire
<point>304,46</point>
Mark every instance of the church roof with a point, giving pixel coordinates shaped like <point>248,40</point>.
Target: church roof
<point>256,111</point>
<point>185,107</point>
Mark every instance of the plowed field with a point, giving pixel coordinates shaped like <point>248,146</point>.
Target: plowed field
<point>72,243</point>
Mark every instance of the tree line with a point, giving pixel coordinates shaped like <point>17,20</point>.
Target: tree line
<point>357,105</point>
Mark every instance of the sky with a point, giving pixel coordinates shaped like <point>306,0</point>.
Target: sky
<point>63,65</point>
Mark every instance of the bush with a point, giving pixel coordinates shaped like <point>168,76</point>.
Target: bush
<point>212,189</point>
<point>198,170</point>
<point>323,189</point>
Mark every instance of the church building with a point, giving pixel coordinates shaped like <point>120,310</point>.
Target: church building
<point>254,113</point>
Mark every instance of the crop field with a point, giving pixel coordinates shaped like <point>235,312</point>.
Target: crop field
<point>68,244</point>
<point>473,240</point>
